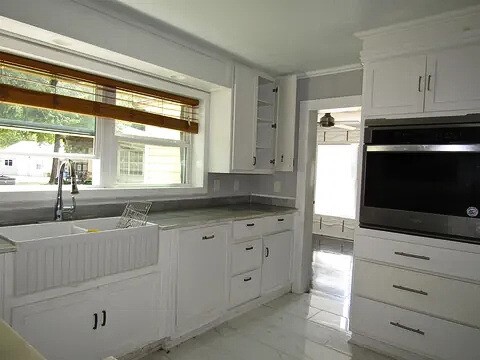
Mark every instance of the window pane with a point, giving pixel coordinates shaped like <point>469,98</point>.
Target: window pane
<point>336,183</point>
<point>39,170</point>
<point>47,120</point>
<point>138,130</point>
<point>151,165</point>
<point>34,142</point>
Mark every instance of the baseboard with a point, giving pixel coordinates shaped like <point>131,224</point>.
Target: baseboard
<point>384,348</point>
<point>143,351</point>
<point>230,314</point>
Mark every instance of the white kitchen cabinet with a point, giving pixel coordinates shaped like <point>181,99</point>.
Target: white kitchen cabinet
<point>245,287</point>
<point>201,276</point>
<point>276,261</point>
<point>90,325</point>
<point>244,118</point>
<point>132,314</point>
<point>413,331</point>
<point>62,328</point>
<point>395,86</point>
<point>453,79</point>
<point>286,112</point>
<point>245,124</point>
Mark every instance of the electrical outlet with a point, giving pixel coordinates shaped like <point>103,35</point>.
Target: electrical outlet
<point>216,185</point>
<point>277,186</point>
<point>236,185</point>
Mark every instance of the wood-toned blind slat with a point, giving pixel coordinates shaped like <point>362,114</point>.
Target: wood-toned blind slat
<point>147,106</point>
<point>14,95</point>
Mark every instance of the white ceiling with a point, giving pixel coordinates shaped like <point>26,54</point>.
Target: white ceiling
<point>288,36</point>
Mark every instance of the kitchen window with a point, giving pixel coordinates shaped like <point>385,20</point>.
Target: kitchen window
<point>141,137</point>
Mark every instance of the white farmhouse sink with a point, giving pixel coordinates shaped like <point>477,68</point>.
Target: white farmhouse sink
<point>65,253</point>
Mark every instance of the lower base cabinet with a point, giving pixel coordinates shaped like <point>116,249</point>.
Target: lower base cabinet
<point>90,325</point>
<point>276,261</point>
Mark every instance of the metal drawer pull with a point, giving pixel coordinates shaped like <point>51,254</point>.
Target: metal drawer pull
<point>404,288</point>
<point>95,318</point>
<point>281,219</point>
<point>104,321</point>
<point>416,331</point>
<point>208,237</point>
<point>247,279</point>
<point>421,257</point>
<point>249,248</point>
<point>251,224</point>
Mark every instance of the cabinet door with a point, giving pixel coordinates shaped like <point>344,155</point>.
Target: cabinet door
<point>202,276</point>
<point>61,328</point>
<point>395,86</point>
<point>286,109</point>
<point>453,79</point>
<point>276,261</point>
<point>2,284</point>
<point>244,119</point>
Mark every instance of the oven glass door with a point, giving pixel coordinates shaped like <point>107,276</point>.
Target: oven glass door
<point>434,182</point>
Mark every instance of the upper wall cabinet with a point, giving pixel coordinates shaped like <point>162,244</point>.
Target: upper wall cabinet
<point>446,80</point>
<point>252,127</point>
<point>395,86</point>
<point>453,79</point>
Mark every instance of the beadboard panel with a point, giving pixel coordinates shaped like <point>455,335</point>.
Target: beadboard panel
<point>73,259</point>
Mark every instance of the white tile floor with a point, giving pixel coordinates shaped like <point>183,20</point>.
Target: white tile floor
<point>294,327</point>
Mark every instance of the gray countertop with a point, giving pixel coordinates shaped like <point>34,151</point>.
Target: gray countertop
<point>6,246</point>
<point>210,215</point>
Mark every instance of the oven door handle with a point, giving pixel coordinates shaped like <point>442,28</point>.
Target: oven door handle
<point>424,148</point>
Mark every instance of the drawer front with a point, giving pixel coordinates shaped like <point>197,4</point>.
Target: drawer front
<point>279,223</point>
<point>249,228</point>
<point>451,299</point>
<point>414,332</point>
<point>443,261</point>
<point>245,287</point>
<point>246,256</point>
<point>207,233</point>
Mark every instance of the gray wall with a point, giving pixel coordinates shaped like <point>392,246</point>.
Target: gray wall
<point>319,87</point>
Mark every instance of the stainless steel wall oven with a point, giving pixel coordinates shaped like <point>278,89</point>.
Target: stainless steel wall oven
<point>422,176</point>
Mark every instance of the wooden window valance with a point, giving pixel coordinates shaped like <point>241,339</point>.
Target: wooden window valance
<point>35,83</point>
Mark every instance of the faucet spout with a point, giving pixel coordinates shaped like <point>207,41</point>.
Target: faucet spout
<point>60,209</point>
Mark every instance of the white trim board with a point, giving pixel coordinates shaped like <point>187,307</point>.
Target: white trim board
<point>307,140</point>
<point>329,71</point>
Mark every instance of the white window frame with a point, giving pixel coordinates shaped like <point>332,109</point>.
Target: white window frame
<point>105,187</point>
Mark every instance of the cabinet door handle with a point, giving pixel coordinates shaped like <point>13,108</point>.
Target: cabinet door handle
<point>95,321</point>
<point>420,257</point>
<point>251,224</point>
<point>281,158</point>
<point>416,331</point>
<point>249,248</point>
<point>405,288</point>
<point>104,321</point>
<point>247,279</point>
<point>267,251</point>
<point>281,219</point>
<point>254,160</point>
<point>428,82</point>
<point>420,83</point>
<point>208,237</point>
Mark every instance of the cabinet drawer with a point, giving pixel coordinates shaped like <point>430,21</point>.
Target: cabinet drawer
<point>205,234</point>
<point>443,261</point>
<point>279,223</point>
<point>245,287</point>
<point>249,228</point>
<point>413,331</point>
<point>451,299</point>
<point>246,256</point>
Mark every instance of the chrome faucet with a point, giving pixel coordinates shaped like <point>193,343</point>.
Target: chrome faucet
<point>62,212</point>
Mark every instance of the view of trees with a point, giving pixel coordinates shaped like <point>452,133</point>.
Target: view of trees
<point>54,127</point>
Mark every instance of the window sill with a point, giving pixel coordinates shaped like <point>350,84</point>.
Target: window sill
<point>90,194</point>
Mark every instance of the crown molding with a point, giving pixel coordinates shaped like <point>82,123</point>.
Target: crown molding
<point>409,25</point>
<point>330,71</point>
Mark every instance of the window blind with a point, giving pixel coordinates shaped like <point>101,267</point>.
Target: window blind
<point>37,84</point>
